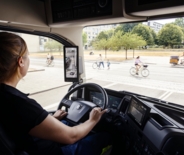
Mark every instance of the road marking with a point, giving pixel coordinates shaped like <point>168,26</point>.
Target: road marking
<point>51,106</point>
<point>164,94</point>
<point>109,85</point>
<point>143,86</point>
<point>167,96</point>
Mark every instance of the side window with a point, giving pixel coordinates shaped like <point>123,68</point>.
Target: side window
<point>45,77</point>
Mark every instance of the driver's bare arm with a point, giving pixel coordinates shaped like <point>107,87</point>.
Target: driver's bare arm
<point>53,129</point>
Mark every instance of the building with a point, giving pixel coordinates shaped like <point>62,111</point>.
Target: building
<point>34,43</point>
<point>93,31</point>
<point>154,25</point>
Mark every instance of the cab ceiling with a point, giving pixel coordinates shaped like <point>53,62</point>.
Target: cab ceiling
<point>41,14</point>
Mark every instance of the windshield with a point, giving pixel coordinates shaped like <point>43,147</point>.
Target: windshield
<point>145,58</point>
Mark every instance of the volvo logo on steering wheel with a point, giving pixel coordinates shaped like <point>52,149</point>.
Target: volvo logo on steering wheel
<point>79,107</point>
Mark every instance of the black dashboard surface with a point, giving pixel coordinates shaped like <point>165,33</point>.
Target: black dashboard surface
<point>149,127</point>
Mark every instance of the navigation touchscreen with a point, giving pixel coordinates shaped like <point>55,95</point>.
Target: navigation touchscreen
<point>138,111</point>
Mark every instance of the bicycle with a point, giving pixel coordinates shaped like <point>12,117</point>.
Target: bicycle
<point>144,71</point>
<point>48,63</point>
<point>95,65</point>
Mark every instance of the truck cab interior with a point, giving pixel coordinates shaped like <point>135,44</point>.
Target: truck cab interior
<point>141,125</point>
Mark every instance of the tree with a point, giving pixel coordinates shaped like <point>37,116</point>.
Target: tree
<point>128,27</point>
<point>102,44</point>
<point>50,45</point>
<point>103,41</point>
<point>105,34</point>
<point>179,22</point>
<point>53,45</point>
<point>170,35</point>
<point>102,35</point>
<point>130,40</point>
<point>116,41</point>
<point>127,41</point>
<point>119,28</point>
<point>137,41</point>
<point>84,38</point>
<point>145,32</point>
<point>154,35</point>
<point>58,45</point>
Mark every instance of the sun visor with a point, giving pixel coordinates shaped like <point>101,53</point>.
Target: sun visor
<point>154,8</point>
<point>86,12</point>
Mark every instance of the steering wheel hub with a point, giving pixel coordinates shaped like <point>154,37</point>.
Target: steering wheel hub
<point>78,111</point>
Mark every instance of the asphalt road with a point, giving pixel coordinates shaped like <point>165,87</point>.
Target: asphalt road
<point>165,82</point>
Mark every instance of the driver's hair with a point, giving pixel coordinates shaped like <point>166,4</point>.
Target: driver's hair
<point>12,47</point>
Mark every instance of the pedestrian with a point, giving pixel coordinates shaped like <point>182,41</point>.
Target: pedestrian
<point>108,64</point>
<point>101,61</point>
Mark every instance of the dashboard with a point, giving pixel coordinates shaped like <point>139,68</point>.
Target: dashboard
<point>97,98</point>
<point>149,127</point>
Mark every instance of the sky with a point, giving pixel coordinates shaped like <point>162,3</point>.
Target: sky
<point>165,21</point>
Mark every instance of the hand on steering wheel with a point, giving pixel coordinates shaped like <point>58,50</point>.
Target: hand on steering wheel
<point>96,114</point>
<point>59,114</point>
<point>79,110</point>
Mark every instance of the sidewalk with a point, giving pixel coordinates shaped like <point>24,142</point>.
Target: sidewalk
<point>155,60</point>
<point>39,79</point>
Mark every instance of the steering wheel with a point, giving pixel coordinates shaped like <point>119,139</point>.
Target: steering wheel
<point>79,110</point>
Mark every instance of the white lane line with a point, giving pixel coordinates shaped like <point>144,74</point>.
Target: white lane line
<point>109,85</point>
<point>167,96</point>
<point>51,106</point>
<point>164,94</point>
<point>150,87</point>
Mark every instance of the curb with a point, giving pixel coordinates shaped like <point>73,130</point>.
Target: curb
<point>42,91</point>
<point>35,70</point>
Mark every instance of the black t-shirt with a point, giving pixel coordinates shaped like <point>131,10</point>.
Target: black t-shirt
<point>18,115</point>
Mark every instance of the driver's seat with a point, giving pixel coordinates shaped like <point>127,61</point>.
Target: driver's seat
<point>7,145</point>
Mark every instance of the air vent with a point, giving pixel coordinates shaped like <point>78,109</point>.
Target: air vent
<point>160,122</point>
<point>143,2</point>
<point>125,104</point>
<point>66,10</point>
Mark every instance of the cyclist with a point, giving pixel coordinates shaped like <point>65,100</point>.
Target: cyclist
<point>51,59</point>
<point>138,64</point>
<point>48,58</point>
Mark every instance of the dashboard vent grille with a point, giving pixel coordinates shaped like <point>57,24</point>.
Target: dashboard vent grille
<point>143,2</point>
<point>160,122</point>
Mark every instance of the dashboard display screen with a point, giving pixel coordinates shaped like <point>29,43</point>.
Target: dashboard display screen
<point>138,110</point>
<point>97,98</point>
<point>71,66</point>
